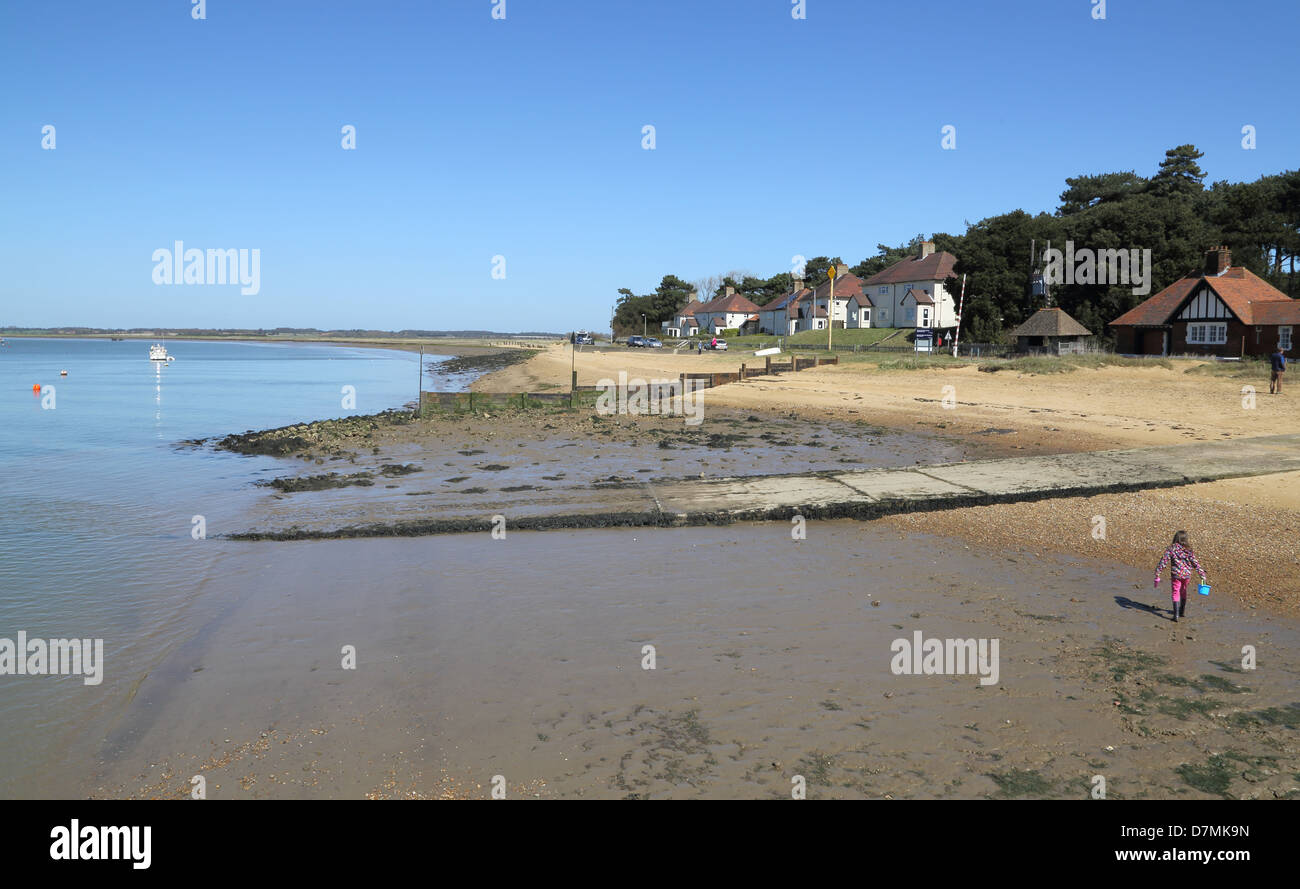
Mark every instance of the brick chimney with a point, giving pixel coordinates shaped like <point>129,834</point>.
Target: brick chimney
<point>1217,260</point>
<point>694,297</point>
<point>729,291</point>
<point>927,248</point>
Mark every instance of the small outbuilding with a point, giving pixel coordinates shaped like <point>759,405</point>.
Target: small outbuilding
<point>1051,330</point>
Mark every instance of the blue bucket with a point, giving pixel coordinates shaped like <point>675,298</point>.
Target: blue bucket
<point>1203,589</point>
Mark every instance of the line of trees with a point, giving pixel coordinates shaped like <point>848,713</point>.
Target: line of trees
<point>1171,212</point>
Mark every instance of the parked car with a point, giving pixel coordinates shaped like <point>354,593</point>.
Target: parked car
<point>636,342</point>
<point>719,345</point>
<point>652,343</point>
<point>584,339</point>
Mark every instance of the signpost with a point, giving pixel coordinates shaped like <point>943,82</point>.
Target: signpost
<point>830,310</point>
<point>961,303</point>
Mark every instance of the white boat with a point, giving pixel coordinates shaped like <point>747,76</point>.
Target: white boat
<point>158,352</point>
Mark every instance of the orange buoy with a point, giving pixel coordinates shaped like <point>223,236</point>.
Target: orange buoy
<point>36,387</point>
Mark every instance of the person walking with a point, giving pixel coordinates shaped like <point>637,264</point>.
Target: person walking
<point>1181,561</point>
<point>1278,362</point>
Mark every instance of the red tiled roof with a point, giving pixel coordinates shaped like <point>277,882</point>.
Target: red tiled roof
<point>733,303</point>
<point>1249,296</point>
<point>1158,309</point>
<point>935,267</point>
<point>1244,291</point>
<point>846,285</point>
<point>1278,312</point>
<point>787,304</point>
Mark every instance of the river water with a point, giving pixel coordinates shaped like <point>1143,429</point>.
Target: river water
<point>99,502</point>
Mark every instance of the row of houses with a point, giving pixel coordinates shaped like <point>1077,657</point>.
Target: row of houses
<point>1222,310</point>
<point>910,293</point>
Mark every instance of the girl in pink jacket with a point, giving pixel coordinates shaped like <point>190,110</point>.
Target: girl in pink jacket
<point>1181,561</point>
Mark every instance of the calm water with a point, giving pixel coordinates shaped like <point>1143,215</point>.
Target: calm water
<point>98,500</point>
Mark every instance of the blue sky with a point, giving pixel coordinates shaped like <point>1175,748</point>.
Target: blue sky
<point>522,138</point>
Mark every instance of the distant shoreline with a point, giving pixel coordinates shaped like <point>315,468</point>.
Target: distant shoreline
<point>456,347</point>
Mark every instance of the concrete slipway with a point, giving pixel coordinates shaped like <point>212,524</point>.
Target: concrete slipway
<point>859,493</point>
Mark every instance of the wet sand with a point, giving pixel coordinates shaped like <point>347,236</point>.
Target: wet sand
<point>484,465</point>
<point>522,657</point>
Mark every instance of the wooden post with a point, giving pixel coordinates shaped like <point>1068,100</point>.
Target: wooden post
<point>767,368</point>
<point>742,372</point>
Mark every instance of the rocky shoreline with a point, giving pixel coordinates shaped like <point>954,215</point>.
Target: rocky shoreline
<point>300,439</point>
<point>483,363</point>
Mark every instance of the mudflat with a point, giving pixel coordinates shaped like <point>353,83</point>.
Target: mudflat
<point>773,658</point>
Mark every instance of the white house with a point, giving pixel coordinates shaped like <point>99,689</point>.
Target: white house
<point>683,322</point>
<point>848,289</point>
<point>731,310</point>
<point>858,311</point>
<point>912,292</point>
<point>781,315</point>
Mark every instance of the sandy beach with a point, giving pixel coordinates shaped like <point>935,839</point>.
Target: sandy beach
<point>1245,528</point>
<point>523,656</point>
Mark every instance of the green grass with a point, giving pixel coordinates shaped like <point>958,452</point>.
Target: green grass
<point>854,336</point>
<point>1056,364</point>
<point>1233,370</point>
<point>1034,364</point>
<point>922,361</point>
<point>848,338</point>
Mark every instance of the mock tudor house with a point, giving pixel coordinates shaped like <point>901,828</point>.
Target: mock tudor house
<point>910,293</point>
<point>1221,310</point>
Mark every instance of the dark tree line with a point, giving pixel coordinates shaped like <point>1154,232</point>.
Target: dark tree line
<point>1171,212</point>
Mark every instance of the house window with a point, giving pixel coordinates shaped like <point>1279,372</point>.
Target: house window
<point>1207,334</point>
<point>885,289</point>
<point>925,317</point>
<point>866,316</point>
<point>1284,338</point>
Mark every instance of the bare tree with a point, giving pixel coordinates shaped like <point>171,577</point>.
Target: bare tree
<point>708,286</point>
